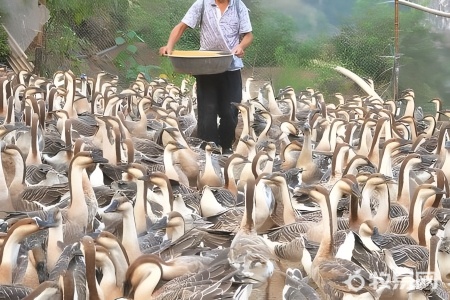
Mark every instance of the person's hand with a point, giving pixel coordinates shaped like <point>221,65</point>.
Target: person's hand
<point>238,51</point>
<point>165,50</point>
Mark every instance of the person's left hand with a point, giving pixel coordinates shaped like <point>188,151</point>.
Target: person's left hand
<point>238,51</point>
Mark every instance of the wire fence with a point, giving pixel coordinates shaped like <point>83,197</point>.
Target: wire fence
<point>123,37</point>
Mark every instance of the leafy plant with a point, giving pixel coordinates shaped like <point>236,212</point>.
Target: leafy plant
<point>126,61</point>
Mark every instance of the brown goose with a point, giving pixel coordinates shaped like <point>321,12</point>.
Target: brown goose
<point>129,240</point>
<point>9,251</point>
<point>210,176</point>
<point>311,171</point>
<point>104,262</point>
<point>117,254</point>
<point>82,208</point>
<point>144,275</point>
<point>33,197</point>
<point>328,272</point>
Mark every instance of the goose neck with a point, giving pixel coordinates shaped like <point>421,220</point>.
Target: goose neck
<point>326,244</point>
<point>140,207</point>
<point>148,284</point>
<point>289,215</point>
<point>129,236</point>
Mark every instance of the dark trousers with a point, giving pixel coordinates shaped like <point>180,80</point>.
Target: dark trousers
<point>215,93</point>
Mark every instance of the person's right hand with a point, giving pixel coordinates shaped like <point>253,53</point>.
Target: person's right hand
<point>165,50</point>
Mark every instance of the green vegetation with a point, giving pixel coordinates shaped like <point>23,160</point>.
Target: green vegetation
<point>300,47</point>
<point>126,61</point>
<point>4,47</point>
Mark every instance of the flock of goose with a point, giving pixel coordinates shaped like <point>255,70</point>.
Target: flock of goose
<point>106,193</point>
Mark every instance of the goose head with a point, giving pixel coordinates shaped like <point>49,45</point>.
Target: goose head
<point>133,171</point>
<point>172,219</point>
<point>85,159</point>
<point>211,147</point>
<point>173,146</point>
<point>379,179</point>
<point>119,203</point>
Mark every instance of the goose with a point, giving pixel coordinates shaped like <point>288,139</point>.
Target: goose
<point>338,163</point>
<point>405,183</point>
<point>87,247</point>
<point>249,253</point>
<point>134,171</point>
<point>161,181</point>
<point>210,175</point>
<point>83,206</point>
<point>289,155</point>
<point>311,227</point>
<point>269,96</point>
<point>311,171</point>
<point>25,198</point>
<point>124,207</point>
<point>328,272</point>
<point>230,219</point>
<point>240,147</point>
<point>376,183</point>
<point>186,158</point>
<point>83,127</point>
<point>138,128</point>
<point>414,233</point>
<point>283,211</point>
<point>217,199</point>
<point>143,276</point>
<point>430,285</point>
<point>116,252</point>
<point>34,154</point>
<point>438,107</point>
<point>111,289</point>
<point>62,158</point>
<point>5,198</point>
<point>10,249</point>
<point>183,241</point>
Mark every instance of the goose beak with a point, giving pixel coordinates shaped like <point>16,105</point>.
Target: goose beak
<point>4,227</point>
<point>98,158</point>
<point>160,224</point>
<point>439,191</point>
<point>94,234</point>
<point>42,224</point>
<point>112,207</point>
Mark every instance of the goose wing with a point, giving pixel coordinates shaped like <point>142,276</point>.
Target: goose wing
<point>45,195</point>
<point>411,256</point>
<point>346,277</point>
<point>296,287</point>
<point>289,232</point>
<point>229,220</point>
<point>13,292</point>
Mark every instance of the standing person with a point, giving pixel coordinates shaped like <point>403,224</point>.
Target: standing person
<point>225,26</point>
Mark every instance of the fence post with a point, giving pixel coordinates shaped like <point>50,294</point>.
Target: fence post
<point>396,66</point>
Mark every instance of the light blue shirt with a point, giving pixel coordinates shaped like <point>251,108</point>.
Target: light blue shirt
<point>220,32</point>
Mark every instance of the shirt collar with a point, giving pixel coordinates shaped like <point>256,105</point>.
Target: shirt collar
<point>213,3</point>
